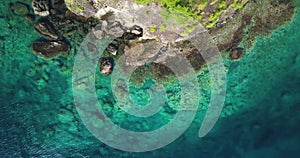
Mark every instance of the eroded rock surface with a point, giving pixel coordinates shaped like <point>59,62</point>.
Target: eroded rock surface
<point>258,18</point>
<point>45,28</point>
<point>59,28</point>
<point>41,7</point>
<point>49,49</point>
<point>154,33</point>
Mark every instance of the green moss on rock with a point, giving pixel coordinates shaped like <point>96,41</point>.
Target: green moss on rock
<point>209,13</point>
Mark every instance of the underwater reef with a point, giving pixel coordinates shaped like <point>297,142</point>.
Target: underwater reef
<point>257,40</point>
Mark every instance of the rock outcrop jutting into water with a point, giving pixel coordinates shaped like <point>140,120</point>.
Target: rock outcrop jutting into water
<point>144,22</point>
<point>261,114</point>
<point>171,26</point>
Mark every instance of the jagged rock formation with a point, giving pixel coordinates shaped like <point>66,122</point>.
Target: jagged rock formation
<point>41,7</point>
<point>164,26</point>
<point>138,26</point>
<point>45,28</point>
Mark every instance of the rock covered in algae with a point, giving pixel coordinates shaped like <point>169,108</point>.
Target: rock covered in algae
<point>19,8</point>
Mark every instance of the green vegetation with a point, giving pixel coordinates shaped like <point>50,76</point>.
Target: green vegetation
<point>153,28</point>
<point>79,9</point>
<point>207,12</point>
<point>209,16</point>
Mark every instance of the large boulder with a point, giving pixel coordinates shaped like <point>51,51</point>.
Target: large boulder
<point>49,49</point>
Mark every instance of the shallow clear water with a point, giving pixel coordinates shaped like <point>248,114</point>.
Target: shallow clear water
<point>261,116</point>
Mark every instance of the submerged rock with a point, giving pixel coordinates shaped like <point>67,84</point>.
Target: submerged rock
<point>45,28</point>
<point>19,8</point>
<point>106,65</point>
<point>41,7</point>
<point>30,18</point>
<point>236,54</point>
<point>49,49</point>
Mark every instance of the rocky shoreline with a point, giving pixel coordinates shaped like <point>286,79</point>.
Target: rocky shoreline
<point>58,25</point>
<point>256,18</point>
<point>55,23</point>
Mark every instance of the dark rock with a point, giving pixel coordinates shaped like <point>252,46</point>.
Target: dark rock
<point>236,54</point>
<point>45,28</point>
<point>19,8</point>
<point>106,65</point>
<point>58,12</point>
<point>58,25</point>
<point>59,5</point>
<point>92,22</point>
<point>112,49</point>
<point>83,29</point>
<point>41,7</point>
<point>62,22</point>
<point>49,49</point>
<point>70,31</point>
<point>136,30</point>
<point>54,12</point>
<point>133,32</point>
<point>79,18</point>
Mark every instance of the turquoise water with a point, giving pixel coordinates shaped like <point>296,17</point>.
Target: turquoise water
<point>260,118</point>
